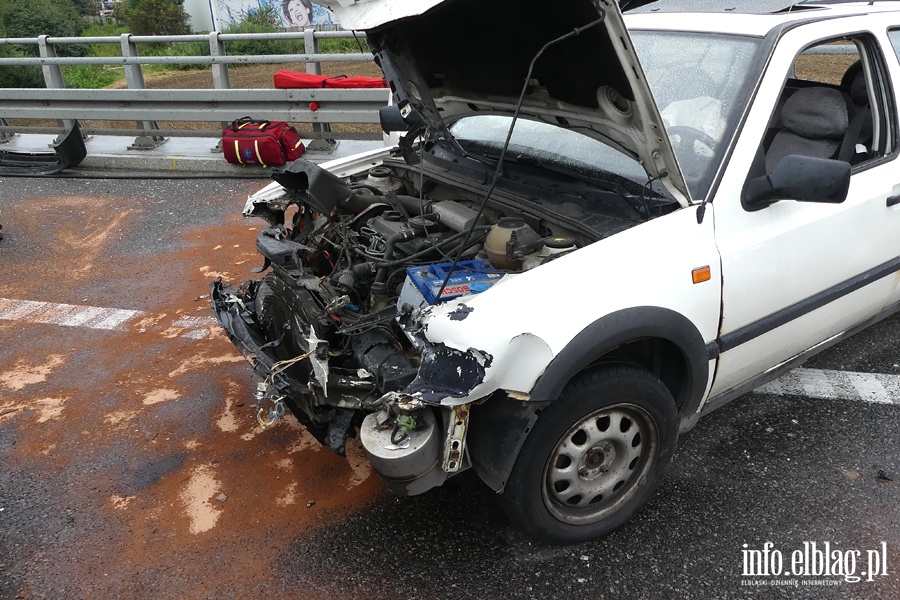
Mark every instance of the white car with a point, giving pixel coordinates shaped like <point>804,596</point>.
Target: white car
<point>574,254</point>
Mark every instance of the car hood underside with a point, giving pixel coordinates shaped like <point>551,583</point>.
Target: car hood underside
<point>456,58</point>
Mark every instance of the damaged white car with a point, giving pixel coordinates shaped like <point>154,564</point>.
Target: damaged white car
<point>556,270</point>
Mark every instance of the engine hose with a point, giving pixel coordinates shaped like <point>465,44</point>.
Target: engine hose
<point>405,235</point>
<point>397,263</point>
<point>366,186</point>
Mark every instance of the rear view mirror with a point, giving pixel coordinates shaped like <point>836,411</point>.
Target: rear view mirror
<point>802,178</point>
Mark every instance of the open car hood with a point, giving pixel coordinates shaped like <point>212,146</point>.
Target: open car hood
<point>447,59</point>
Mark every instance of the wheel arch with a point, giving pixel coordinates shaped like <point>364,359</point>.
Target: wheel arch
<point>647,336</point>
<point>643,335</point>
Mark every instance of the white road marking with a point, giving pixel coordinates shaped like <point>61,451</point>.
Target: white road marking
<point>91,317</point>
<point>878,388</point>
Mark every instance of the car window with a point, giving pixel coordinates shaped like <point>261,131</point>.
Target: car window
<point>834,105</point>
<point>826,63</point>
<point>894,36</point>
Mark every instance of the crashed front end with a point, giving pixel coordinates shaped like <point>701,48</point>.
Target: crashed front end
<point>337,326</point>
<point>388,305</point>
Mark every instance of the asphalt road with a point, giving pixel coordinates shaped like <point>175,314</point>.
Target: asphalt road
<point>132,466</point>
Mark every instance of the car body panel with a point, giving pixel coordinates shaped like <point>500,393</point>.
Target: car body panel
<point>577,286</point>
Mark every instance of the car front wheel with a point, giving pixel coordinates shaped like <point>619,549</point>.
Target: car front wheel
<point>594,457</point>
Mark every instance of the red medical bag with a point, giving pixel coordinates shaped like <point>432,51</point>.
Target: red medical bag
<point>265,143</point>
<point>293,79</point>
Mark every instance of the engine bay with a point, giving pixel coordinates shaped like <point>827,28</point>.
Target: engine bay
<point>355,264</point>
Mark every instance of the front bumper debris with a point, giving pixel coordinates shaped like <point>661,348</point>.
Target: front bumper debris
<point>69,152</point>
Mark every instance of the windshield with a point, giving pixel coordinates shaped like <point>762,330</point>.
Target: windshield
<point>699,82</point>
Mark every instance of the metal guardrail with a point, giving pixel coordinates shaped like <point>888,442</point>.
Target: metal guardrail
<point>319,108</point>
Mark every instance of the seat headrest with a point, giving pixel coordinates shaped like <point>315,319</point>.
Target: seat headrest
<point>854,81</point>
<point>816,113</point>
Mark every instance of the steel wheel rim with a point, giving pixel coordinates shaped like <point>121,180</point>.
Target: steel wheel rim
<point>598,465</point>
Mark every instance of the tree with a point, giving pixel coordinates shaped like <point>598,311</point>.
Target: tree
<point>29,19</point>
<point>156,17</point>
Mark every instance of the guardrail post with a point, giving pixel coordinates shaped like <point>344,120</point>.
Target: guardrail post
<point>53,77</point>
<point>134,77</point>
<point>221,77</point>
<point>5,136</point>
<point>311,46</point>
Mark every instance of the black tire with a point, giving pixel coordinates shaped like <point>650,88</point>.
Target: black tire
<point>594,457</point>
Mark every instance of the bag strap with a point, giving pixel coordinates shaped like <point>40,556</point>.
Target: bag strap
<point>239,124</point>
<point>327,79</point>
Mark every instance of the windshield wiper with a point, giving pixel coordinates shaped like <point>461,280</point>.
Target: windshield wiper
<point>637,204</point>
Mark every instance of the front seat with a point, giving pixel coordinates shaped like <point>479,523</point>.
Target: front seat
<point>814,122</point>
<point>854,84</point>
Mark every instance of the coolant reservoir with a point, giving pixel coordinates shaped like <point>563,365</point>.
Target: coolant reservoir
<point>495,244</point>
<point>380,178</point>
<point>552,245</point>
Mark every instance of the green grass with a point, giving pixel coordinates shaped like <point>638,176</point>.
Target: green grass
<point>92,76</point>
<point>343,46</point>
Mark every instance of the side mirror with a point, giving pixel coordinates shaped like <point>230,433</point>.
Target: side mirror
<point>395,118</point>
<point>801,178</point>
<point>391,119</point>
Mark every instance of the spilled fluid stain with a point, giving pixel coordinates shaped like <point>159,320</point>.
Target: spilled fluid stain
<point>161,395</point>
<point>41,409</point>
<point>197,497</point>
<point>288,497</point>
<point>49,408</point>
<point>201,362</point>
<point>24,374</point>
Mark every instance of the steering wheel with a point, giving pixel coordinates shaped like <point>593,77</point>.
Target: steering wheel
<point>689,135</point>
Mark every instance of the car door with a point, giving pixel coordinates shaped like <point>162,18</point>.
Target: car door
<point>798,273</point>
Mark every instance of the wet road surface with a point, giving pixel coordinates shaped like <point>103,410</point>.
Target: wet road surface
<point>131,465</point>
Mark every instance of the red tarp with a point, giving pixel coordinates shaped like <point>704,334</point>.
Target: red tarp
<point>292,79</point>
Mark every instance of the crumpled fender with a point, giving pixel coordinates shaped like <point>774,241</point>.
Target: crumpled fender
<point>451,376</point>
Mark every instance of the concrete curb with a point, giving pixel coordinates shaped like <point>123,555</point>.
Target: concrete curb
<point>182,156</point>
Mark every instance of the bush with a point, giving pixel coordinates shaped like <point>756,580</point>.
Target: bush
<point>85,7</point>
<point>344,46</point>
<point>19,77</point>
<point>29,19</point>
<point>156,17</point>
<point>263,20</point>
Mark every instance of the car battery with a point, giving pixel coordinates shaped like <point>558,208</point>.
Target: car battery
<point>423,283</point>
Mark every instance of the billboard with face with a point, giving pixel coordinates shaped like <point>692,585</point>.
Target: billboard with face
<point>294,13</point>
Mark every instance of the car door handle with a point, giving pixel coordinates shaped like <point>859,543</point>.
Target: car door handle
<point>892,200</point>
